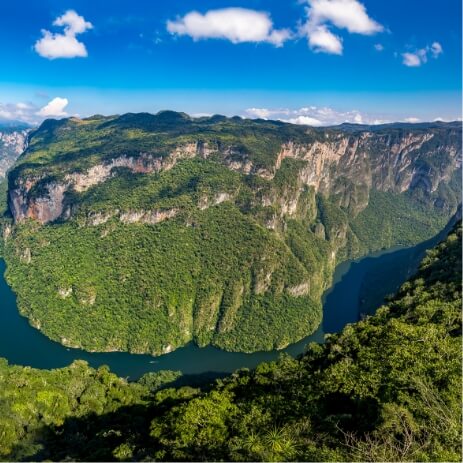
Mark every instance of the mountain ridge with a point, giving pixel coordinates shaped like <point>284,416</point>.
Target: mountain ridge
<point>167,119</point>
<point>218,117</point>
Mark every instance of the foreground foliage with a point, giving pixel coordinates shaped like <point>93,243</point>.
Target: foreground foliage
<point>385,389</point>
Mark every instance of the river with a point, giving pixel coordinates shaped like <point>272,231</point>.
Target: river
<point>358,288</point>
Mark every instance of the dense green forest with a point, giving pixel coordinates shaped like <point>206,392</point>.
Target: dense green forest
<point>214,275</point>
<point>154,279</point>
<point>387,388</point>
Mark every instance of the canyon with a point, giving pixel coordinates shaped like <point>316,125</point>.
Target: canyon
<point>144,232</point>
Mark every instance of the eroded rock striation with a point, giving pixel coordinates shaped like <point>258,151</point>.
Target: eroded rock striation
<point>344,165</point>
<point>13,141</point>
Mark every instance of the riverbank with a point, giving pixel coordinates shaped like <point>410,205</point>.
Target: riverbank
<point>358,288</point>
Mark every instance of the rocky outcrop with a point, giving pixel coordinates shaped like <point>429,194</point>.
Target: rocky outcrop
<point>49,205</point>
<point>6,232</point>
<point>205,202</point>
<point>44,208</point>
<point>148,217</point>
<point>299,290</point>
<point>98,218</point>
<point>145,164</point>
<point>371,160</point>
<point>347,166</point>
<point>64,293</point>
<point>26,256</point>
<point>12,143</point>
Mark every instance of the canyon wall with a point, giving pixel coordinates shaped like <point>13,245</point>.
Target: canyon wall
<point>344,166</point>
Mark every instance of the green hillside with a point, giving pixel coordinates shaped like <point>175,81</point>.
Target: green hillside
<point>385,389</point>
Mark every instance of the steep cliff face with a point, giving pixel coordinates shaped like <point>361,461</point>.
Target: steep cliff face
<point>145,232</point>
<point>349,166</point>
<point>344,166</point>
<point>12,144</point>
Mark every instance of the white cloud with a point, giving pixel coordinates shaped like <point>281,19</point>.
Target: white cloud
<point>264,113</point>
<point>420,56</point>
<point>322,40</point>
<point>411,59</point>
<point>379,47</point>
<point>64,45</point>
<point>305,120</point>
<point>54,46</point>
<point>54,108</point>
<point>7,111</point>
<point>244,25</point>
<point>343,14</point>
<point>23,106</point>
<point>31,113</point>
<point>73,23</point>
<point>18,111</point>
<point>201,115</point>
<point>446,119</point>
<point>436,49</point>
<point>260,113</point>
<point>314,115</point>
<point>234,24</point>
<point>412,120</point>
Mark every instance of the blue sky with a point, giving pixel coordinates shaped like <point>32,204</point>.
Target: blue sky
<point>306,61</point>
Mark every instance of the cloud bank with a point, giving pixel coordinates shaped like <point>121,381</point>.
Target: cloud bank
<point>17,111</point>
<point>320,116</point>
<point>32,113</point>
<point>64,45</point>
<point>314,115</point>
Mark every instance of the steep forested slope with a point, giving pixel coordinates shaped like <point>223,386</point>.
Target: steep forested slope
<point>143,232</point>
<point>385,389</point>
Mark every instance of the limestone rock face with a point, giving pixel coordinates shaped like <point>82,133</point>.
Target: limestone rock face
<point>13,142</point>
<point>343,165</point>
<point>349,166</point>
<point>346,166</point>
<point>150,217</point>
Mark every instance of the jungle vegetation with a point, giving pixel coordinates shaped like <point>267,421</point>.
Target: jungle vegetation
<point>200,251</point>
<point>387,388</point>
